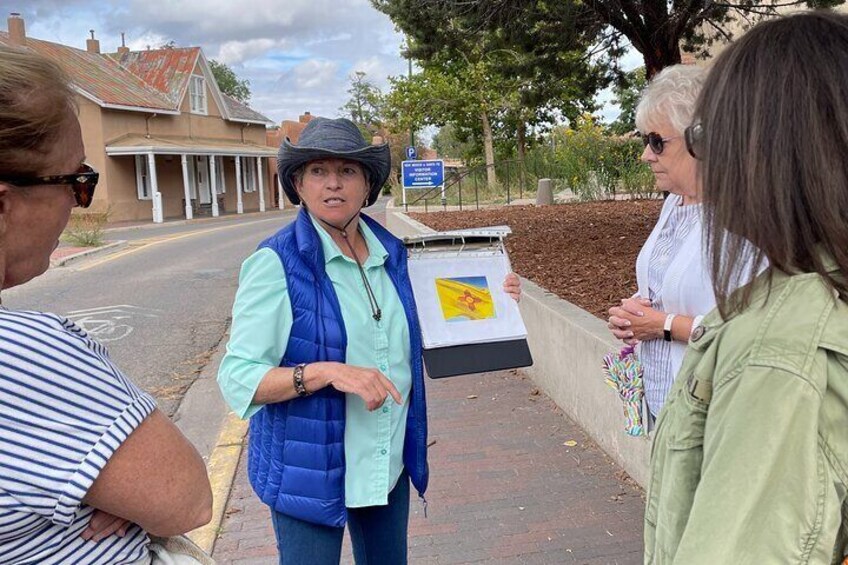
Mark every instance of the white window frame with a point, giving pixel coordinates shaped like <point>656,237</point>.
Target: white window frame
<point>197,95</point>
<point>220,185</point>
<point>142,178</point>
<point>248,171</point>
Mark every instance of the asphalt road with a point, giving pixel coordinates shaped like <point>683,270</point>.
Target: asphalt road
<point>161,305</point>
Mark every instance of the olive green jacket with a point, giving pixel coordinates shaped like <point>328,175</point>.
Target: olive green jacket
<point>750,456</point>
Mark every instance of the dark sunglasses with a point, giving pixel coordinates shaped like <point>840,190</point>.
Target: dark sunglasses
<point>694,136</point>
<point>82,182</point>
<point>656,141</point>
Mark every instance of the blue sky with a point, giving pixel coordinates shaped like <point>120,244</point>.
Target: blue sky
<point>297,54</point>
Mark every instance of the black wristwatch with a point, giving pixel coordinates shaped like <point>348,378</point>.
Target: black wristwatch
<point>667,327</point>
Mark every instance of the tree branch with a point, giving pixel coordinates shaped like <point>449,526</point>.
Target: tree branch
<point>686,15</point>
<point>719,29</point>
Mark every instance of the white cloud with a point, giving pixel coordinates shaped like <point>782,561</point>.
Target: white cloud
<point>149,40</point>
<point>315,74</point>
<point>374,67</point>
<point>235,52</point>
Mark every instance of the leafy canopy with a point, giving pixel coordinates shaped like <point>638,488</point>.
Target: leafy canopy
<point>229,83</point>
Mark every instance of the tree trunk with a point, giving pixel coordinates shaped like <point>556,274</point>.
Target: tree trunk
<point>522,153</point>
<point>651,29</point>
<point>659,58</point>
<point>489,148</point>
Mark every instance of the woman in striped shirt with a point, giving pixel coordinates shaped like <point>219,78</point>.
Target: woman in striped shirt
<point>88,466</point>
<point>674,285</point>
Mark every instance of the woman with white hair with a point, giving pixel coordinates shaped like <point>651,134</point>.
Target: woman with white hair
<point>674,284</point>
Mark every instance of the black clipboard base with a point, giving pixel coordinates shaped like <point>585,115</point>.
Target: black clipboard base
<point>458,360</point>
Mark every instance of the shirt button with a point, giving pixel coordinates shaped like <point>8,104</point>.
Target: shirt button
<point>698,333</point>
<point>383,367</point>
<point>382,452</point>
<point>385,409</point>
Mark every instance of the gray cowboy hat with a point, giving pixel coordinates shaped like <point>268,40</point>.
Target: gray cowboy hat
<point>340,138</point>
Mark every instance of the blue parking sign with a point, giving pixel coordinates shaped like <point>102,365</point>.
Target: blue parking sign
<point>411,153</point>
<point>423,174</point>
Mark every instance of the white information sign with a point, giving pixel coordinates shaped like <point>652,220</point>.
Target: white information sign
<point>461,300</point>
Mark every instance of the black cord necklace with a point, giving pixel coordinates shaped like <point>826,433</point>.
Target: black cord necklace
<point>376,313</point>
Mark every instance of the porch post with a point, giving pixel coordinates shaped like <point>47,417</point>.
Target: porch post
<point>213,186</point>
<point>280,195</point>
<point>189,213</point>
<point>260,174</point>
<point>155,195</point>
<point>238,185</point>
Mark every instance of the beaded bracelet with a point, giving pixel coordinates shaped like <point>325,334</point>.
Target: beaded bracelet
<point>298,380</point>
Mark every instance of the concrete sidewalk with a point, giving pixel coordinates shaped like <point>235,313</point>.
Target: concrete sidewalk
<point>512,480</point>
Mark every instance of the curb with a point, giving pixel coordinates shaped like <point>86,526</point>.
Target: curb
<point>222,466</point>
<point>64,261</point>
<point>218,434</point>
<point>200,220</point>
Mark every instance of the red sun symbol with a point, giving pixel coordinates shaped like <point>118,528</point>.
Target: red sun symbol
<point>469,300</point>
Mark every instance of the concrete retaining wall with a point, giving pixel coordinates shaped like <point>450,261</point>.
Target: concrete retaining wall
<point>568,345</point>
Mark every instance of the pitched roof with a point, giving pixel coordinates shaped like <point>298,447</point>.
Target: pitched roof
<point>152,80</point>
<point>98,77</point>
<point>166,70</point>
<point>242,112</point>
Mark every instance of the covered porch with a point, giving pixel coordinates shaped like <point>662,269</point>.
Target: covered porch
<point>186,177</point>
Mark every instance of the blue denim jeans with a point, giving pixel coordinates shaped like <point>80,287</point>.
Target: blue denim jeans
<point>378,534</point>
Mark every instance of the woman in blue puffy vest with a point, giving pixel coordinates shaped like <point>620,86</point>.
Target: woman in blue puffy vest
<point>324,358</point>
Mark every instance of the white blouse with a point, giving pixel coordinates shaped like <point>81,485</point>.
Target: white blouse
<point>656,354</point>
<point>672,271</point>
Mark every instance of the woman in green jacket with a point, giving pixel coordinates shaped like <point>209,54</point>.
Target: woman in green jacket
<point>750,458</point>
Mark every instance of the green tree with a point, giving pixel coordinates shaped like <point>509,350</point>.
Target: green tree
<point>229,83</point>
<point>489,82</point>
<point>454,143</point>
<point>464,93</point>
<point>656,28</point>
<point>626,95</point>
<point>364,107</point>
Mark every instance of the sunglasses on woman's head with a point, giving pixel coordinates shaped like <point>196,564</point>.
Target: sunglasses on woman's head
<point>656,141</point>
<point>82,182</point>
<point>694,136</point>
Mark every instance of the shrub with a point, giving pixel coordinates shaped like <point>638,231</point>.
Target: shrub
<point>591,164</point>
<point>85,229</point>
<point>582,160</point>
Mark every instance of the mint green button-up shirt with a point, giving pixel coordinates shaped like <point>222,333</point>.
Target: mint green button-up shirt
<point>262,321</point>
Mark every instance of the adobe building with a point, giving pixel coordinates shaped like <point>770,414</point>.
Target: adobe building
<point>166,141</point>
<point>288,129</point>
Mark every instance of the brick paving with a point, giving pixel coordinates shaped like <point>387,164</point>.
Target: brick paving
<point>504,487</point>
<point>65,250</point>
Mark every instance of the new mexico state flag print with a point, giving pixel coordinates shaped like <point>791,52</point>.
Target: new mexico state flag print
<point>465,298</point>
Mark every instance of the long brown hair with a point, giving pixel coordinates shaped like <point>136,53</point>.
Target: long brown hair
<point>775,156</point>
<point>35,100</point>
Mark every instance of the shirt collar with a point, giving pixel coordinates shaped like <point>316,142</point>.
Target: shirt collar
<point>377,253</point>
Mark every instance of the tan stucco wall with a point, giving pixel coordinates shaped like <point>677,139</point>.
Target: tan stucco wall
<point>117,191</point>
<point>95,152</point>
<point>125,205</point>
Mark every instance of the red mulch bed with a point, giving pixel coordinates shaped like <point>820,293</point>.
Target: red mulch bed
<point>582,252</point>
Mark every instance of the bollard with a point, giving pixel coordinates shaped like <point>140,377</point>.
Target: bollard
<point>545,194</point>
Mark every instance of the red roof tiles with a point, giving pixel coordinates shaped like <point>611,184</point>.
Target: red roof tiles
<point>98,75</point>
<point>155,79</point>
<point>166,70</point>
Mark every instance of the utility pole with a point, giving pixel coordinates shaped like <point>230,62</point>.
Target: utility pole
<point>409,60</point>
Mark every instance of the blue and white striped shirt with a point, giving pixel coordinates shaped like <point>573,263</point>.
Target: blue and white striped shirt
<point>64,410</point>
